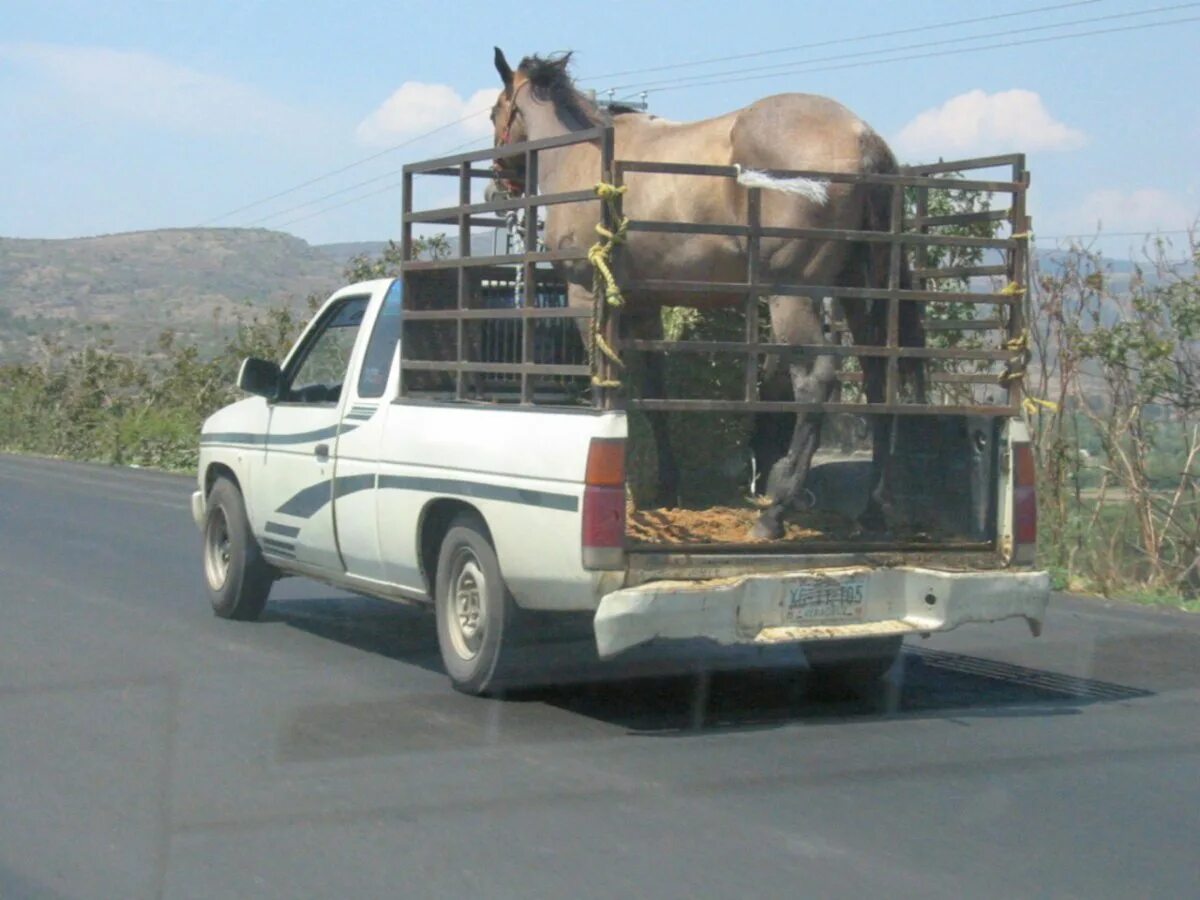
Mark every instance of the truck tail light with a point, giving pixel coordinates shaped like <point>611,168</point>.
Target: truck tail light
<point>604,505</point>
<point>1024,505</point>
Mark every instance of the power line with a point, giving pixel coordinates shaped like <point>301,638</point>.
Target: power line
<point>440,128</point>
<point>807,67</point>
<point>346,168</point>
<point>387,174</point>
<point>951,52</point>
<point>655,85</point>
<point>383,190</point>
<point>846,40</point>
<point>1100,235</point>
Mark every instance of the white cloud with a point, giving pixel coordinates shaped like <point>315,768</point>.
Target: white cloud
<point>416,107</point>
<point>1143,209</point>
<point>90,82</point>
<point>980,123</point>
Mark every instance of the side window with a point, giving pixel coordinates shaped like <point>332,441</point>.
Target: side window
<point>377,362</point>
<point>317,376</point>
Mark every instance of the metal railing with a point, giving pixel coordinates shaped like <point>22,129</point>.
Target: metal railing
<point>459,342</point>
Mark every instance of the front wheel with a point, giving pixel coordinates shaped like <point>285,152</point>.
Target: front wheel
<point>238,577</point>
<point>476,614</point>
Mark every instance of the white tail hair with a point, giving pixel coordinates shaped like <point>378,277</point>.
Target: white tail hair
<point>808,188</point>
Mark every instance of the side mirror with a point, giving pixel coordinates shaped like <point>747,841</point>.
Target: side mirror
<point>261,377</point>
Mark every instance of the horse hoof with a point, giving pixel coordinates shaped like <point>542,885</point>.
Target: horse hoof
<point>766,529</point>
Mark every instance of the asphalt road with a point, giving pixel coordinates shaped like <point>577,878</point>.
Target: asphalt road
<point>148,749</point>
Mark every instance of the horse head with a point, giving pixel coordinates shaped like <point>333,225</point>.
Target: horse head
<point>535,80</point>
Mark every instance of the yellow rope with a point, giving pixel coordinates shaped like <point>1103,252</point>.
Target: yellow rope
<point>1012,289</point>
<point>1035,405</point>
<point>1022,236</point>
<point>604,284</point>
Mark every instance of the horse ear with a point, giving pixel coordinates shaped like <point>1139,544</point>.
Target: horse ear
<point>502,66</point>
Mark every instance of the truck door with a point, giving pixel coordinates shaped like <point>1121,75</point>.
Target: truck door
<point>297,473</point>
<point>356,499</point>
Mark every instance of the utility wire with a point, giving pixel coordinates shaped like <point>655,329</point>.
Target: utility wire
<point>808,67</point>
<point>440,128</point>
<point>655,85</point>
<point>836,41</point>
<point>346,168</point>
<point>387,174</point>
<point>951,52</point>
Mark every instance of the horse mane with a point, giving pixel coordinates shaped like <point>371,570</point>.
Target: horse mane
<point>550,79</point>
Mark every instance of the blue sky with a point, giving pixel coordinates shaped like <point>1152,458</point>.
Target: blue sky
<point>124,116</point>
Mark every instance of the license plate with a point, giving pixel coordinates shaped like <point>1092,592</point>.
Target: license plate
<point>824,601</point>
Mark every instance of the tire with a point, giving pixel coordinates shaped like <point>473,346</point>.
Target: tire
<point>854,664</point>
<point>477,625</point>
<point>238,577</point>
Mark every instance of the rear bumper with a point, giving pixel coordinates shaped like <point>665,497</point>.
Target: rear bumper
<point>864,602</point>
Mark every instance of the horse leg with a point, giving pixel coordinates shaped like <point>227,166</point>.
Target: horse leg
<point>648,327</point>
<point>772,432</point>
<point>797,321</point>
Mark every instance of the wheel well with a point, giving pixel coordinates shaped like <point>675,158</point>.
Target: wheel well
<point>435,522</point>
<point>215,471</point>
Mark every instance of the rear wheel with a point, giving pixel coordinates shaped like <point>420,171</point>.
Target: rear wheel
<point>238,577</point>
<point>476,614</point>
<point>855,664</point>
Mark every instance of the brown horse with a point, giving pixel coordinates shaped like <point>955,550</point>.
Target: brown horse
<point>785,132</point>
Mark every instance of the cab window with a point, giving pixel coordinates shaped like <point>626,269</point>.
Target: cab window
<point>317,374</point>
<point>377,361</point>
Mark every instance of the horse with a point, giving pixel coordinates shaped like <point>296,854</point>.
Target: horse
<point>797,132</point>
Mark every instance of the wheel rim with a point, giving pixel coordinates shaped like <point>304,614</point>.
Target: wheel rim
<point>216,549</point>
<point>466,614</point>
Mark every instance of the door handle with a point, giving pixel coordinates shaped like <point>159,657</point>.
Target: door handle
<point>321,452</point>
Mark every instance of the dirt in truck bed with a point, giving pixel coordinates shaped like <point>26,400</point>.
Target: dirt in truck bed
<point>728,525</point>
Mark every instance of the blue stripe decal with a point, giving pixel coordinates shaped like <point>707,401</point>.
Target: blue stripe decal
<point>272,544</point>
<point>264,440</point>
<point>283,530</point>
<point>308,501</point>
<point>313,498</point>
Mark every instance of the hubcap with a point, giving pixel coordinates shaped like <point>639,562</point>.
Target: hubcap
<point>466,615</point>
<point>216,549</point>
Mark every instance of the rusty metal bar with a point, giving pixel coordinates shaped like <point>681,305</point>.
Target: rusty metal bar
<point>964,325</point>
<point>895,261</point>
<point>962,165</point>
<point>955,184</point>
<point>450,214</point>
<point>825,234</point>
<point>1018,260</point>
<point>811,290</point>
<point>500,152</point>
<point>753,262</point>
<point>506,259</point>
<point>529,300</point>
<point>610,398</point>
<point>971,218</point>
<point>961,272</point>
<point>785,350</point>
<point>784,406</point>
<point>495,368</point>
<point>938,377</point>
<point>450,315</point>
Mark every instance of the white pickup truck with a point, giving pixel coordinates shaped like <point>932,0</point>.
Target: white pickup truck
<point>488,510</point>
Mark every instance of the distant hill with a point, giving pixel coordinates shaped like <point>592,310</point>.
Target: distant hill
<point>192,280</point>
<point>140,283</point>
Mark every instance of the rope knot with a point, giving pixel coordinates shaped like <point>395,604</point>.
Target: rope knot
<point>604,283</point>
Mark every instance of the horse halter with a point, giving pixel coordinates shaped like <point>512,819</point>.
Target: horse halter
<point>511,180</point>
